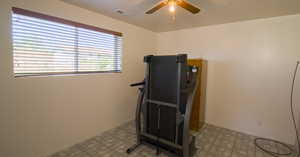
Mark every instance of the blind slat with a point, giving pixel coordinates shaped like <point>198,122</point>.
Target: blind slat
<point>62,54</point>
<point>31,44</point>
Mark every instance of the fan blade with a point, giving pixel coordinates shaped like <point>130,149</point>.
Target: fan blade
<point>158,6</point>
<point>188,7</point>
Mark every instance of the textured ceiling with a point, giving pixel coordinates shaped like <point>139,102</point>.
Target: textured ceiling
<point>212,12</point>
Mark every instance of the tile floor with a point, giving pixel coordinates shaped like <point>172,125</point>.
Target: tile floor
<point>211,141</point>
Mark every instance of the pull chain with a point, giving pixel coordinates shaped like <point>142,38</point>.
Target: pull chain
<point>173,17</point>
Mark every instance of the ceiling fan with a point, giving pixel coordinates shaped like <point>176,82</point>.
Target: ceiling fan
<point>172,4</point>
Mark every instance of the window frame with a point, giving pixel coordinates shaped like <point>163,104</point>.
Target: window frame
<point>33,14</point>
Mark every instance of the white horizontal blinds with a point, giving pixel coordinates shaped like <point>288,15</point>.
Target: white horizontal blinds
<point>42,46</point>
<point>98,51</point>
<point>45,47</point>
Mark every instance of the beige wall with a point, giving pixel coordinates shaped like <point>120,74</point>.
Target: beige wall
<point>249,72</point>
<point>41,115</point>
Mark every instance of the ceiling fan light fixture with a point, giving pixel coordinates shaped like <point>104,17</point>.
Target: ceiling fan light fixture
<point>172,6</point>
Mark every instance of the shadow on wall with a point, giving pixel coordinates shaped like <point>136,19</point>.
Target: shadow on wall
<point>203,90</point>
<point>296,104</point>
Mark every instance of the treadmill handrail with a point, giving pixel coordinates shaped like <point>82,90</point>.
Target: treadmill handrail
<point>138,84</point>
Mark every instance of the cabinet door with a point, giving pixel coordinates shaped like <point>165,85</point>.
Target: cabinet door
<point>197,116</point>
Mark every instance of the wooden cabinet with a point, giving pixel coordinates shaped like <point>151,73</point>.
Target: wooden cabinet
<point>197,116</point>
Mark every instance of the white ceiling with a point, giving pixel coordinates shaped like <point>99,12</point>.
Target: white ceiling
<point>212,12</point>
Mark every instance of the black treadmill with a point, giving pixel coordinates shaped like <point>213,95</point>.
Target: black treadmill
<point>165,103</point>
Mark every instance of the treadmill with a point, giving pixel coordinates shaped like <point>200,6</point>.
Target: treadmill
<point>164,105</point>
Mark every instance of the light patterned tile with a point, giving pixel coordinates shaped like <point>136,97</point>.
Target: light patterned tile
<point>211,141</point>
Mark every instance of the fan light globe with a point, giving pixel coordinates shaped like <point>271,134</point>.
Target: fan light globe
<point>172,6</point>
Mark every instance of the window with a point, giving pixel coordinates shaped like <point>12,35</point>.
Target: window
<point>46,45</point>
